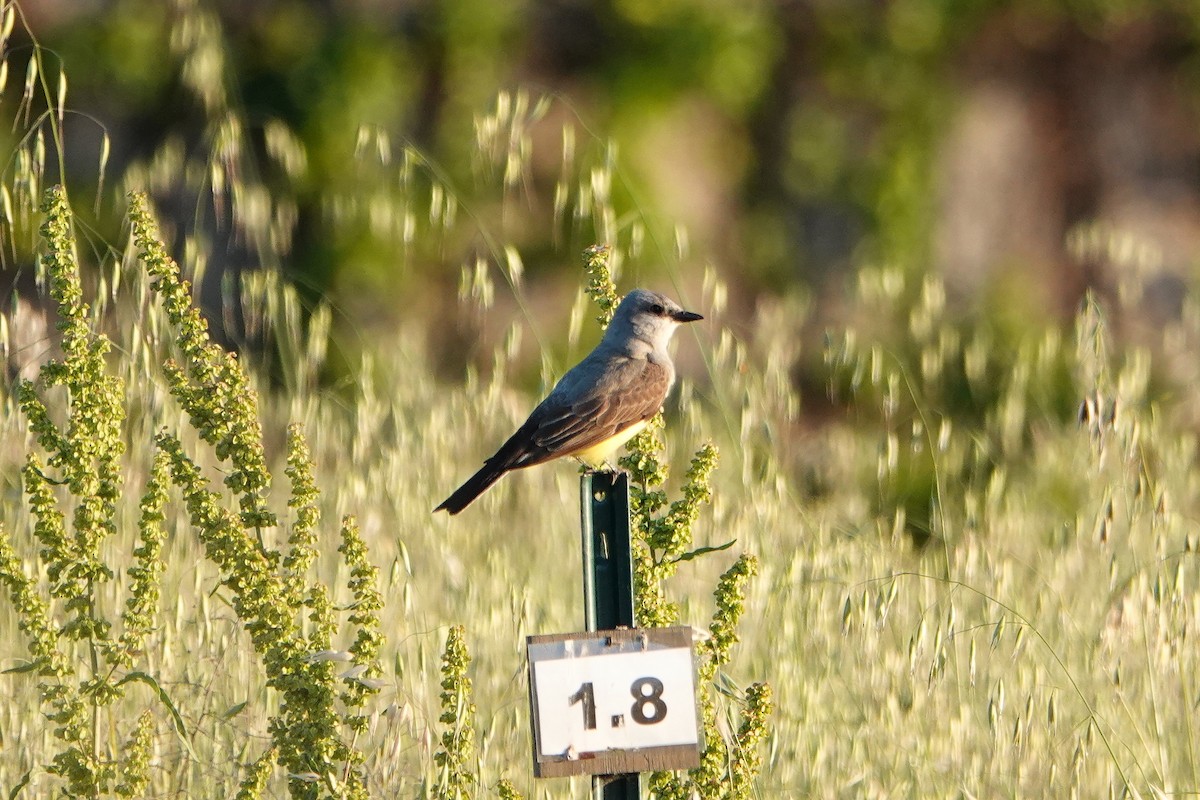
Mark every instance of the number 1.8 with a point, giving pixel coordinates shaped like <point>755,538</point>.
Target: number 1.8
<point>646,693</point>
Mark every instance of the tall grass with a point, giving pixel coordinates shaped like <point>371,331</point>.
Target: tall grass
<point>245,691</point>
<point>976,578</point>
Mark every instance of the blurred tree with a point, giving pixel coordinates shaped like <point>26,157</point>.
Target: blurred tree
<point>794,139</point>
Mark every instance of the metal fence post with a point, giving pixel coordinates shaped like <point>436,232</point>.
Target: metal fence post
<point>608,583</point>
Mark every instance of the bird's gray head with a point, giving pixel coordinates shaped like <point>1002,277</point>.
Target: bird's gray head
<point>648,317</point>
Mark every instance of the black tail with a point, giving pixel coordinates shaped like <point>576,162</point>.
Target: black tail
<point>518,452</point>
<point>476,485</point>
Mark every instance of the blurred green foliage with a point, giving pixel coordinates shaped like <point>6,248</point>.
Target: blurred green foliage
<point>810,129</point>
<point>383,153</point>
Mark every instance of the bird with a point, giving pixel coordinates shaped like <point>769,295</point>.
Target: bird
<point>600,403</point>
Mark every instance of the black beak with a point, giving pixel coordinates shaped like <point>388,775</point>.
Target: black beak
<point>685,316</point>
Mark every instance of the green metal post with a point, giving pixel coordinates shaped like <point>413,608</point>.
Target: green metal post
<point>608,583</point>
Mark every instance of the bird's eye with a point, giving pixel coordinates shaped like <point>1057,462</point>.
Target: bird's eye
<point>658,309</point>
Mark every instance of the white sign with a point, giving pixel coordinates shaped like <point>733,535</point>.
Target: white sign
<point>615,701</point>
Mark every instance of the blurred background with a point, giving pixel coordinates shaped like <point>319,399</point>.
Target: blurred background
<point>1023,150</point>
<point>890,214</point>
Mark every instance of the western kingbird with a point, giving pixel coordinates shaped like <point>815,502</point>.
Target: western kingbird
<point>601,403</point>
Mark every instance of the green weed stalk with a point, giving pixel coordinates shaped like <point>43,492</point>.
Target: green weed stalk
<point>73,487</point>
<point>319,715</point>
<point>663,539</point>
<point>456,779</point>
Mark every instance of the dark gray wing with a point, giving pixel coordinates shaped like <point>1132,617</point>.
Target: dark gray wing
<point>630,393</point>
<point>574,417</point>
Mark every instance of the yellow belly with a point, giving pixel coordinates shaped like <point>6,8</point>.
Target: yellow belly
<point>596,455</point>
